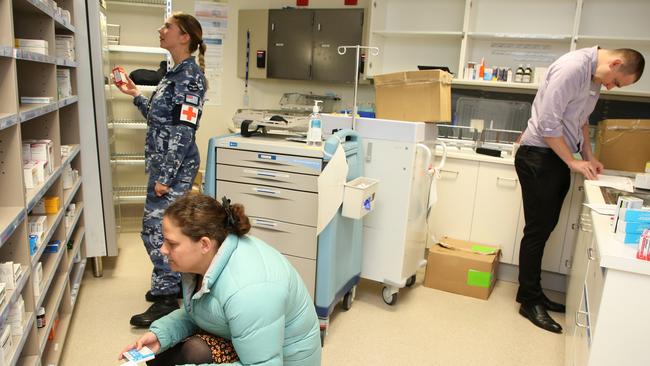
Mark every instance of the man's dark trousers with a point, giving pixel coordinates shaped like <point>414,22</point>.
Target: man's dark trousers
<point>545,181</point>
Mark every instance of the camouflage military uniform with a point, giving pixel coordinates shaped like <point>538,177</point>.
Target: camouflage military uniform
<point>171,157</point>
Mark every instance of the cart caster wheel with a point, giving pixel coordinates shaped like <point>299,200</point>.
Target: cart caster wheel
<point>411,281</point>
<point>347,301</point>
<point>389,298</point>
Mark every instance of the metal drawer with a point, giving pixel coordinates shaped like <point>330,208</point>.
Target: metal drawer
<point>286,163</point>
<point>302,182</point>
<point>307,270</point>
<point>275,203</point>
<point>295,240</point>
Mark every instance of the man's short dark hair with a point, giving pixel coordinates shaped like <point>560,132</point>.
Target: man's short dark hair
<point>633,62</point>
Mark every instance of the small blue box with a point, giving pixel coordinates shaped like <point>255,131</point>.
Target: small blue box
<point>633,227</point>
<point>33,244</point>
<point>635,214</point>
<point>53,246</point>
<point>628,238</point>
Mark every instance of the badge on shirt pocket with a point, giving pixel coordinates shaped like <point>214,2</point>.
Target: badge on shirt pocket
<point>192,99</point>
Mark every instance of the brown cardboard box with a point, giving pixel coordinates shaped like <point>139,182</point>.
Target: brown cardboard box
<point>623,144</point>
<point>462,267</point>
<point>421,96</point>
<point>197,186</point>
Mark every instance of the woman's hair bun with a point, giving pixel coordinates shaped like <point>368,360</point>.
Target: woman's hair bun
<point>242,223</point>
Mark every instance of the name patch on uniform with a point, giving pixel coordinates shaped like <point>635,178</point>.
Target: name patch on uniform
<point>189,113</point>
<point>192,99</point>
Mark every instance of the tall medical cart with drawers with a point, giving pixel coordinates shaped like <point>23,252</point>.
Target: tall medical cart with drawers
<point>277,181</point>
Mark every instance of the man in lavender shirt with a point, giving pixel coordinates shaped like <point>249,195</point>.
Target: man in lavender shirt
<point>558,129</point>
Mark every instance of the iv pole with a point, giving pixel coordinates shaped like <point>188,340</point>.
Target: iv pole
<point>342,50</point>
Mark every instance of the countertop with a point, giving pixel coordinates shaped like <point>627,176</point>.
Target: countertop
<point>467,153</point>
<point>613,253</point>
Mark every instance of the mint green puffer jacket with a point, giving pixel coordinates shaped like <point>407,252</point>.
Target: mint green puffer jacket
<point>252,295</point>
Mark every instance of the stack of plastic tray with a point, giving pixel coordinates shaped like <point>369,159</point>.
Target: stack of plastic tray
<point>496,114</point>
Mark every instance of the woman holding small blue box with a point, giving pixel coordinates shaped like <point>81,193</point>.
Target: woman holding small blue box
<point>243,302</point>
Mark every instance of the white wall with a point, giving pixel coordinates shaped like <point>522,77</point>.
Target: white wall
<point>262,93</point>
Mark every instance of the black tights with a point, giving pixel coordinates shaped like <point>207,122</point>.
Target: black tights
<point>194,350</point>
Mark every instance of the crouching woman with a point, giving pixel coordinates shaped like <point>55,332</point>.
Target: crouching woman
<point>243,302</point>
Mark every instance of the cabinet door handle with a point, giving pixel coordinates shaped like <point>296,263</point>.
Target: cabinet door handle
<point>267,223</point>
<point>266,192</point>
<point>586,326</point>
<point>266,174</point>
<point>511,180</point>
<point>449,171</point>
<point>272,26</point>
<point>590,254</point>
<point>319,27</point>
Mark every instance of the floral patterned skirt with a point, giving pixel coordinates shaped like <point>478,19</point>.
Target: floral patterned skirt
<point>222,349</point>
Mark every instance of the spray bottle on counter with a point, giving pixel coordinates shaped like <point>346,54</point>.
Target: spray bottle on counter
<point>315,133</point>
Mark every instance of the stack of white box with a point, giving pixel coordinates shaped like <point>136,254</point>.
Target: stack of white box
<point>64,86</point>
<point>38,279</point>
<point>5,343</point>
<point>37,161</point>
<point>32,45</point>
<point>70,176</point>
<point>37,224</point>
<point>65,47</point>
<point>16,317</point>
<point>70,215</point>
<point>10,274</point>
<point>631,219</point>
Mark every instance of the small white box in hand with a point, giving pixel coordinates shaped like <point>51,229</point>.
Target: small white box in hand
<point>135,356</point>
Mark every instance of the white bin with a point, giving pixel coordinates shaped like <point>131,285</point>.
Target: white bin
<point>359,197</point>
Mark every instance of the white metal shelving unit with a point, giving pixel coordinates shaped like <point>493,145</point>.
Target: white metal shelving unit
<point>32,74</point>
<point>137,49</point>
<point>453,32</point>
<point>126,125</point>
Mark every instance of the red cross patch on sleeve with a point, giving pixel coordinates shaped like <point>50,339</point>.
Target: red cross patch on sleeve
<point>189,113</point>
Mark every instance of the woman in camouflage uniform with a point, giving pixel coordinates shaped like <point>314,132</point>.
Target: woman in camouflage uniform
<point>171,155</point>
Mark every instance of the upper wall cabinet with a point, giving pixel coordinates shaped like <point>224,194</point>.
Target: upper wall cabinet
<point>298,43</point>
<point>333,28</point>
<point>290,44</point>
<point>506,33</point>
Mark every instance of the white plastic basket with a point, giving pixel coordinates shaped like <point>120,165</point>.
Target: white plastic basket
<point>359,197</point>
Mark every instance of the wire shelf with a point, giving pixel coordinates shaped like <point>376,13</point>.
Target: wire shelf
<point>127,123</point>
<point>154,3</point>
<point>130,194</point>
<point>127,159</point>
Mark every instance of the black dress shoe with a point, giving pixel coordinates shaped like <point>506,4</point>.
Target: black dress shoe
<point>537,315</point>
<point>153,298</point>
<point>551,305</point>
<point>155,312</point>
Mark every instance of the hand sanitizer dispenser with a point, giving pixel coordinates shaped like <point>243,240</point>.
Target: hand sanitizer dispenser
<point>315,132</point>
